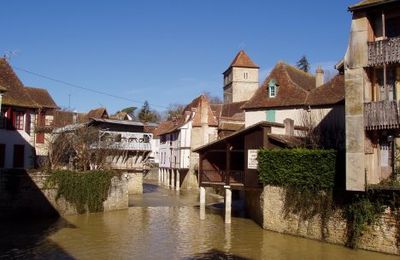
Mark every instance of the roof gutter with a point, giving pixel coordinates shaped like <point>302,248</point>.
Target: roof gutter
<point>358,8</point>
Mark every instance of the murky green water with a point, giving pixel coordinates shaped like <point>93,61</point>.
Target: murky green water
<point>161,225</point>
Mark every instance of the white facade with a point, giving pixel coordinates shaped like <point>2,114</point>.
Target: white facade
<point>155,150</point>
<point>175,148</point>
<point>11,138</point>
<point>300,116</point>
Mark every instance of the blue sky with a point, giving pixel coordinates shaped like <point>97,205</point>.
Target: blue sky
<point>162,51</point>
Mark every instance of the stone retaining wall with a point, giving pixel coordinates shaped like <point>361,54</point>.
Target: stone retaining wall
<point>380,237</point>
<point>135,182</point>
<point>24,194</point>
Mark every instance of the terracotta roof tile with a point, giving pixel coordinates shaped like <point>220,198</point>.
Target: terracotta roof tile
<point>232,111</point>
<point>41,97</point>
<point>226,126</point>
<point>330,93</point>
<point>194,106</point>
<point>243,60</point>
<point>100,112</point>
<point>15,94</point>
<point>164,127</point>
<point>293,88</point>
<point>288,140</point>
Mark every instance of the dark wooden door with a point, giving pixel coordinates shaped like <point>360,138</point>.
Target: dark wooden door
<point>19,154</point>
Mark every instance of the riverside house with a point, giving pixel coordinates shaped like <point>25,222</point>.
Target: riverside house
<point>289,106</point>
<point>196,126</point>
<point>23,112</point>
<point>372,79</point>
<point>128,143</point>
<point>202,122</point>
<point>290,93</point>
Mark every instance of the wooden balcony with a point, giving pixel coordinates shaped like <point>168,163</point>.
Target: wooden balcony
<point>381,115</point>
<point>384,52</point>
<point>125,141</point>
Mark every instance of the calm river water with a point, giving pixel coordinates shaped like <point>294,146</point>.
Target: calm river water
<point>160,225</point>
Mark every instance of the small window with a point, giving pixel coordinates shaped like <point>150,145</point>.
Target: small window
<point>272,88</point>
<point>19,120</point>
<point>40,138</point>
<point>246,75</point>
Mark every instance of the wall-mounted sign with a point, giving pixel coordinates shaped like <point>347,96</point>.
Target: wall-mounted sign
<point>252,162</point>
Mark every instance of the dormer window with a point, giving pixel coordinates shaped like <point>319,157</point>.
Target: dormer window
<point>272,88</point>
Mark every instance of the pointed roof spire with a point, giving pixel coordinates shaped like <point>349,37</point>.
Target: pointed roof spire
<point>243,60</point>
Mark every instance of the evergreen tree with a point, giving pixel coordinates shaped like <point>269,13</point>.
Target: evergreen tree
<point>303,64</point>
<point>146,115</point>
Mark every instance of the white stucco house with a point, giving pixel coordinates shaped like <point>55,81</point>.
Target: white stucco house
<point>24,110</point>
<point>289,93</point>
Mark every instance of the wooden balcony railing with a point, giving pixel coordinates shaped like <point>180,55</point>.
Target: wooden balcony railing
<point>124,141</point>
<point>384,52</point>
<point>381,115</point>
<point>221,177</point>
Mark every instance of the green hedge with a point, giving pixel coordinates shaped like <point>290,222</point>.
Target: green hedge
<point>302,169</point>
<point>86,190</point>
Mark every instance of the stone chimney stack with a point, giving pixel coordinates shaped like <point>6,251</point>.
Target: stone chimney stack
<point>289,126</point>
<point>319,77</point>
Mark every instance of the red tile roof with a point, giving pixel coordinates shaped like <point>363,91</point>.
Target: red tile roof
<point>293,87</point>
<point>164,128</point>
<point>100,112</point>
<point>231,111</point>
<point>15,94</point>
<point>243,60</point>
<point>41,97</point>
<point>194,106</point>
<point>330,93</point>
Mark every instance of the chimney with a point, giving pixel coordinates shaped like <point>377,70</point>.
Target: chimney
<point>319,77</point>
<point>75,117</point>
<point>289,126</point>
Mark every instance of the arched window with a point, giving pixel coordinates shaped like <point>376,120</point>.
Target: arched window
<point>272,88</point>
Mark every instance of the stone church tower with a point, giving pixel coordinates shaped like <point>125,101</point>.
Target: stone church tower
<point>240,79</point>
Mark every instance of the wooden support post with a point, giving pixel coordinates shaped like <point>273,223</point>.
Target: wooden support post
<point>202,203</point>
<point>228,164</point>
<point>201,157</point>
<point>228,205</point>
<point>178,180</point>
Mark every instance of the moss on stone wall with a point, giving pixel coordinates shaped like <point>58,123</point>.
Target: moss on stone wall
<point>85,190</point>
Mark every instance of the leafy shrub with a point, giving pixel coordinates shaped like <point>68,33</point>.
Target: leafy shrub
<point>86,190</point>
<point>303,169</point>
